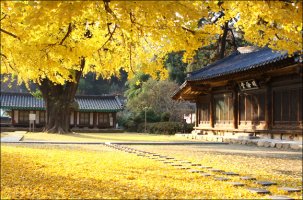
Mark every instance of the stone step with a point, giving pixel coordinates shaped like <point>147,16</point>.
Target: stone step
<point>221,179</point>
<point>237,184</point>
<point>205,167</point>
<point>247,178</point>
<point>195,171</point>
<point>280,197</point>
<point>231,173</point>
<point>216,170</point>
<point>288,189</point>
<point>195,164</point>
<point>188,162</point>
<point>205,174</point>
<point>258,190</point>
<point>266,183</point>
<point>182,167</point>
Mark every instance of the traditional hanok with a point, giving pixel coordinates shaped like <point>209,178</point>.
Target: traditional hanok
<point>252,92</point>
<point>93,112</point>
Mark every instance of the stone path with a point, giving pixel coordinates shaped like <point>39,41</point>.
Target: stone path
<point>16,136</point>
<point>192,168</point>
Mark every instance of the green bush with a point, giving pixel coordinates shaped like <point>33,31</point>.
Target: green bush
<point>165,117</point>
<point>168,128</point>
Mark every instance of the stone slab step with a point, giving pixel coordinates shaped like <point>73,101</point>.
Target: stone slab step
<point>216,170</point>
<point>205,167</point>
<point>183,167</point>
<point>195,171</point>
<point>247,178</point>
<point>205,174</point>
<point>258,190</point>
<point>280,197</point>
<point>195,164</point>
<point>237,184</point>
<point>176,165</point>
<point>266,183</point>
<point>288,189</point>
<point>185,162</point>
<point>221,179</point>
<point>231,173</point>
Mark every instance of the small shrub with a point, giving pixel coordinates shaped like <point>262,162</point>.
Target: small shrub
<point>168,128</point>
<point>165,117</point>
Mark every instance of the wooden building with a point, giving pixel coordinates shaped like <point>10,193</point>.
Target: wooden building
<point>93,112</point>
<point>252,92</point>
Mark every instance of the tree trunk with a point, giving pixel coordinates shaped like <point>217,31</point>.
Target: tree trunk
<point>59,102</point>
<point>223,41</point>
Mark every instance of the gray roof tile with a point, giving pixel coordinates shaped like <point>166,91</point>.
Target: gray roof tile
<point>238,62</point>
<point>25,101</point>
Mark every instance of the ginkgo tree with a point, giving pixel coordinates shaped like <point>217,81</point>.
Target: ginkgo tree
<point>54,43</point>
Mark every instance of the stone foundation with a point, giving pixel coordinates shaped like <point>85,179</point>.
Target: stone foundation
<point>246,140</point>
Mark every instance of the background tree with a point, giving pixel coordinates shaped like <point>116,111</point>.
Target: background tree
<point>156,96</point>
<point>54,43</point>
<point>176,67</point>
<point>90,85</point>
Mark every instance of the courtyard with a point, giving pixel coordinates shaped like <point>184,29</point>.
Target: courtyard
<point>109,171</point>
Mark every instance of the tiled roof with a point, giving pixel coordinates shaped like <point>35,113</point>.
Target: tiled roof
<point>25,101</point>
<point>238,62</point>
<point>99,103</point>
<point>22,101</point>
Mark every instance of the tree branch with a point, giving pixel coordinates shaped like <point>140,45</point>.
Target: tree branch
<point>191,31</point>
<point>233,40</point>
<point>3,17</point>
<point>9,33</point>
<point>69,30</point>
<point>110,36</point>
<point>3,55</point>
<point>108,9</point>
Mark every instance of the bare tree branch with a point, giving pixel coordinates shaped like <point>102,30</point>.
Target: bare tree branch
<point>69,30</point>
<point>9,33</point>
<point>3,17</point>
<point>3,55</point>
<point>108,9</point>
<point>191,31</point>
<point>110,36</point>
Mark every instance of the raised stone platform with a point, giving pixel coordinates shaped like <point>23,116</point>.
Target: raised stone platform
<point>248,140</point>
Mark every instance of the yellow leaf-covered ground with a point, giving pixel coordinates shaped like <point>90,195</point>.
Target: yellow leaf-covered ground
<point>98,137</point>
<point>94,172</point>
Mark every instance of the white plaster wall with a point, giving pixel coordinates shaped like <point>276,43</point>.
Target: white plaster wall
<point>37,117</point>
<point>77,118</point>
<point>72,118</point>
<point>16,116</point>
<point>91,118</point>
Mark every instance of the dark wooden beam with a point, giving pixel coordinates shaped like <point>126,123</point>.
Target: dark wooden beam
<point>236,106</point>
<point>268,106</point>
<point>211,110</point>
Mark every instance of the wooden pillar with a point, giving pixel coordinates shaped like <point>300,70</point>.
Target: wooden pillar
<point>198,111</point>
<point>211,110</point>
<point>13,119</point>
<point>268,106</point>
<point>115,119</point>
<point>235,107</point>
<point>197,114</point>
<point>94,119</point>
<point>75,119</point>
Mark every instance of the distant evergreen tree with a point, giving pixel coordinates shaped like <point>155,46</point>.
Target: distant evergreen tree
<point>89,85</point>
<point>176,67</point>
